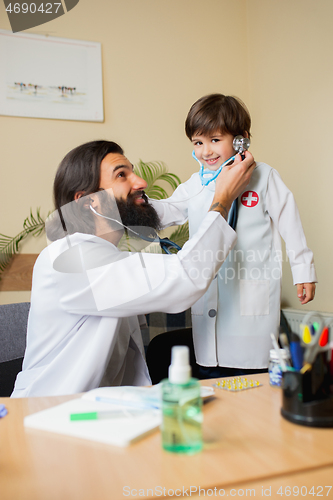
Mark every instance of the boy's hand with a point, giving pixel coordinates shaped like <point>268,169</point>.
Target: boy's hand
<point>231,182</point>
<point>306,292</point>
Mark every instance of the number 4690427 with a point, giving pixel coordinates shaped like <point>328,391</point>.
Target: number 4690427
<point>316,491</point>
<point>32,8</point>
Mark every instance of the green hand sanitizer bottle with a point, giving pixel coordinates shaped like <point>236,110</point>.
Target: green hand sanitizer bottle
<point>181,406</point>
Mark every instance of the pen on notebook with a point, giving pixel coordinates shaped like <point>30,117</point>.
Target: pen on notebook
<point>98,415</point>
<point>130,404</point>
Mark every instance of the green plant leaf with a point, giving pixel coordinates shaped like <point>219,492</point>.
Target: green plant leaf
<point>10,245</point>
<point>180,235</point>
<point>153,172</point>
<point>34,226</point>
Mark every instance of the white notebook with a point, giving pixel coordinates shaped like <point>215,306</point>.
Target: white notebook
<point>132,415</point>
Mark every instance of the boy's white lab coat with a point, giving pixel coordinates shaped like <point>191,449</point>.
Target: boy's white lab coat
<point>232,322</point>
<point>83,329</point>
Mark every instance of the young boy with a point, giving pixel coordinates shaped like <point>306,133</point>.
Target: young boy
<point>232,322</point>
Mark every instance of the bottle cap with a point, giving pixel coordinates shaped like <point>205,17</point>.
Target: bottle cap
<point>274,357</point>
<point>180,369</point>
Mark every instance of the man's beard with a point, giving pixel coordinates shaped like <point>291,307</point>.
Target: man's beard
<point>131,213</point>
<point>142,214</point>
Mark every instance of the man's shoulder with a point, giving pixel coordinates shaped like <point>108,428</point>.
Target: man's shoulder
<point>76,252</point>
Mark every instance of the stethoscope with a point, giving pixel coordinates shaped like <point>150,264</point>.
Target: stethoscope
<point>240,144</point>
<point>165,243</point>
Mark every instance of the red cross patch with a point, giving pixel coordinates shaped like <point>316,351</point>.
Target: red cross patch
<point>250,199</point>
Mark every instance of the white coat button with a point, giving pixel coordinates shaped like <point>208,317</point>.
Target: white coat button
<point>212,313</point>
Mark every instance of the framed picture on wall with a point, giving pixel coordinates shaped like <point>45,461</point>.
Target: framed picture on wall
<point>48,77</point>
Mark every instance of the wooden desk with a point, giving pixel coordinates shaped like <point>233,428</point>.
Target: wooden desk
<point>248,445</point>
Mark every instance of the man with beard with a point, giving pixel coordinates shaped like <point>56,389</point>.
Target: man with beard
<point>83,328</point>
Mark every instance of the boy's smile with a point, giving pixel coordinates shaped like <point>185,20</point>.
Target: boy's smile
<point>212,151</point>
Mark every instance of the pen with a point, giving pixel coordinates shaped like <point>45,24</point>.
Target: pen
<point>296,351</point>
<point>130,404</point>
<point>285,344</point>
<point>98,415</point>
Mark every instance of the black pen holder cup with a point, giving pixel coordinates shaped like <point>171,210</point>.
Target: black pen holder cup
<point>307,398</point>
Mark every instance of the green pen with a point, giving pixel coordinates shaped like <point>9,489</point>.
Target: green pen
<point>98,415</point>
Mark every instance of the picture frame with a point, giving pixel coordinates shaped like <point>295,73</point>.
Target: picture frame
<point>49,77</point>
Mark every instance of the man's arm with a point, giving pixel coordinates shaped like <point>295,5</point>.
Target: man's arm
<point>140,283</point>
<point>173,211</point>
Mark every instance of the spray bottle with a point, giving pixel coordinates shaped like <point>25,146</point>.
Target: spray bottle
<point>181,406</point>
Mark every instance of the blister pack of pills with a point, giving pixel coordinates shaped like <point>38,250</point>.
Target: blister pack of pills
<point>236,384</point>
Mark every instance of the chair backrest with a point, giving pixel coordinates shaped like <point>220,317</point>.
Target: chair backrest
<point>158,354</point>
<point>13,334</point>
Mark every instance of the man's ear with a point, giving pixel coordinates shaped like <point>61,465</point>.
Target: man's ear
<point>87,200</point>
<point>78,195</point>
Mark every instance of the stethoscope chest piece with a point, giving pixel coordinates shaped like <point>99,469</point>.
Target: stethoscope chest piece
<point>241,144</point>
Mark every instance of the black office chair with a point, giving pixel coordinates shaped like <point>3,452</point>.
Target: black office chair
<point>158,354</point>
<point>13,334</point>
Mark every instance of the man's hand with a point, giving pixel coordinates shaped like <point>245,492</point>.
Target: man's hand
<point>306,292</point>
<point>231,182</point>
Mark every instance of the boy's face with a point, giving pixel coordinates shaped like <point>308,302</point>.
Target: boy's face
<point>213,150</point>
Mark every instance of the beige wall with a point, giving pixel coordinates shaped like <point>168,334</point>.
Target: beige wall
<point>157,61</point>
<point>159,56</point>
<point>291,82</point>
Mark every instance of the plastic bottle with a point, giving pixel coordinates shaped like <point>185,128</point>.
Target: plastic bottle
<point>274,369</point>
<point>181,406</point>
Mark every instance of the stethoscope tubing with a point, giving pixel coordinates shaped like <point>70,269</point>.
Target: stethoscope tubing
<point>165,243</point>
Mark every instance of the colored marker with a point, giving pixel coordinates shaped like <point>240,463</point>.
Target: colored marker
<point>296,352</point>
<point>98,415</point>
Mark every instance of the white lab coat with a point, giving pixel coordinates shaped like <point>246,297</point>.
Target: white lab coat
<point>83,329</point>
<point>232,322</point>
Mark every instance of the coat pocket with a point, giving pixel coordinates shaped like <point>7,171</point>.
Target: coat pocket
<point>254,297</point>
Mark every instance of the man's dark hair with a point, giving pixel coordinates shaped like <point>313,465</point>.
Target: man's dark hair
<point>217,113</point>
<point>79,171</point>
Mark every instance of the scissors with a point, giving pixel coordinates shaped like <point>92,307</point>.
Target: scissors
<point>315,337</point>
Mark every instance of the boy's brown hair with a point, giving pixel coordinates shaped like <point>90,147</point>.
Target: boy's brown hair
<point>218,113</point>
